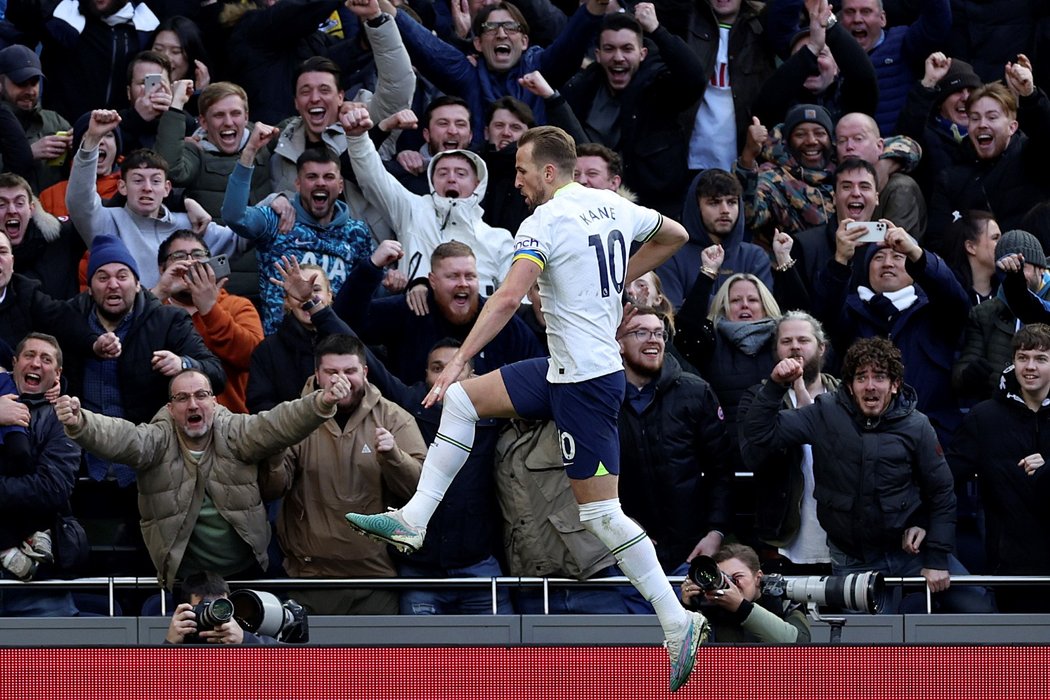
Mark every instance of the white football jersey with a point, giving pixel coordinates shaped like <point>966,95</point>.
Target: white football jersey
<point>581,239</point>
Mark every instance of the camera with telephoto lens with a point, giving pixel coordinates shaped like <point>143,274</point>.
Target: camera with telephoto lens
<point>704,572</point>
<point>855,592</point>
<point>210,614</point>
<point>263,613</point>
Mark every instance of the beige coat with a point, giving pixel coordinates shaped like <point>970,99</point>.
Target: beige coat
<point>337,470</point>
<point>171,489</point>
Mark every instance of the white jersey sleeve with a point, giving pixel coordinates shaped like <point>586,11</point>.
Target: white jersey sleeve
<point>581,240</point>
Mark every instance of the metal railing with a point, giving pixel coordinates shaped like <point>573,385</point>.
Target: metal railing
<point>494,584</point>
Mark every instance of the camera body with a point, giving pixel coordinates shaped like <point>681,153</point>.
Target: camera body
<point>857,592</point>
<point>210,614</point>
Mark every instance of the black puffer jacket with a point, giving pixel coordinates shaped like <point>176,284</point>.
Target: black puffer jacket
<point>874,478</point>
<point>1007,186</point>
<point>674,475</point>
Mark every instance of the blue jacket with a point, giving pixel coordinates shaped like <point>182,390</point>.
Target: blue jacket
<point>336,246</point>
<point>678,274</point>
<point>452,73</point>
<point>903,49</point>
<point>30,501</point>
<point>927,332</point>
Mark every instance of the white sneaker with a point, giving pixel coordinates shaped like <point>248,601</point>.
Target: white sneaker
<point>683,650</point>
<point>389,527</point>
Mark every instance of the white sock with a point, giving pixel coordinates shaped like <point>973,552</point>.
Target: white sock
<point>445,458</point>
<point>636,556</point>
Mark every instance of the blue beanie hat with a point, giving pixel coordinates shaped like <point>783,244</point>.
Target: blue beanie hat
<point>107,249</point>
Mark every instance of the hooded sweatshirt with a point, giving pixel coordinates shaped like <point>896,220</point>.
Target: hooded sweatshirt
<point>336,246</point>
<point>678,274</point>
<point>423,222</point>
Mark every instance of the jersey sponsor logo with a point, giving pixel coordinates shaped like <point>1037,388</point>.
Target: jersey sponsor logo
<point>526,243</point>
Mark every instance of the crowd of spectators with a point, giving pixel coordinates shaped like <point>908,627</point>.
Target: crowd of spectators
<point>240,238</point>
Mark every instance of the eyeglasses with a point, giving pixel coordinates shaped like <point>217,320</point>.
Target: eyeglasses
<point>642,335</point>
<point>508,26</point>
<point>184,396</point>
<point>180,255</point>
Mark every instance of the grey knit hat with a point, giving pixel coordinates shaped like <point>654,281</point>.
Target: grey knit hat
<point>1018,241</point>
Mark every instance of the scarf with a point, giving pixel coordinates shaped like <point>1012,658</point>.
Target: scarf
<point>748,336</point>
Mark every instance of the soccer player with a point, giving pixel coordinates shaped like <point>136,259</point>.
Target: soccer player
<point>576,244</point>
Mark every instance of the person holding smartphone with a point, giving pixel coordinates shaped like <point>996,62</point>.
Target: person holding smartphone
<point>150,93</point>
<point>192,278</point>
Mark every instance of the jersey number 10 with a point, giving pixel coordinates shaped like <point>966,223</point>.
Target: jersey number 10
<point>615,270</point>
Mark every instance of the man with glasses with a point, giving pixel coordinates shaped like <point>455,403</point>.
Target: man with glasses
<point>201,509</point>
<point>675,480</point>
<point>228,323</point>
<point>501,36</point>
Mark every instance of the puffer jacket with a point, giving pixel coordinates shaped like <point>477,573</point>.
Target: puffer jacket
<point>171,491</point>
<point>874,478</point>
<point>30,501</point>
<point>674,476</point>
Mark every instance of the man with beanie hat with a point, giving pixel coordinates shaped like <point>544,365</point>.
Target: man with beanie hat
<point>156,342</point>
<point>795,192</point>
<point>46,131</point>
<point>1023,297</point>
<point>905,293</point>
<point>935,115</point>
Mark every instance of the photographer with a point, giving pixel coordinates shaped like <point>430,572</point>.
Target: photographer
<point>740,611</point>
<point>206,587</point>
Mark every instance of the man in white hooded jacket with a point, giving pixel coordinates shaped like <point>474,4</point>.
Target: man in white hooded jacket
<point>451,212</point>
